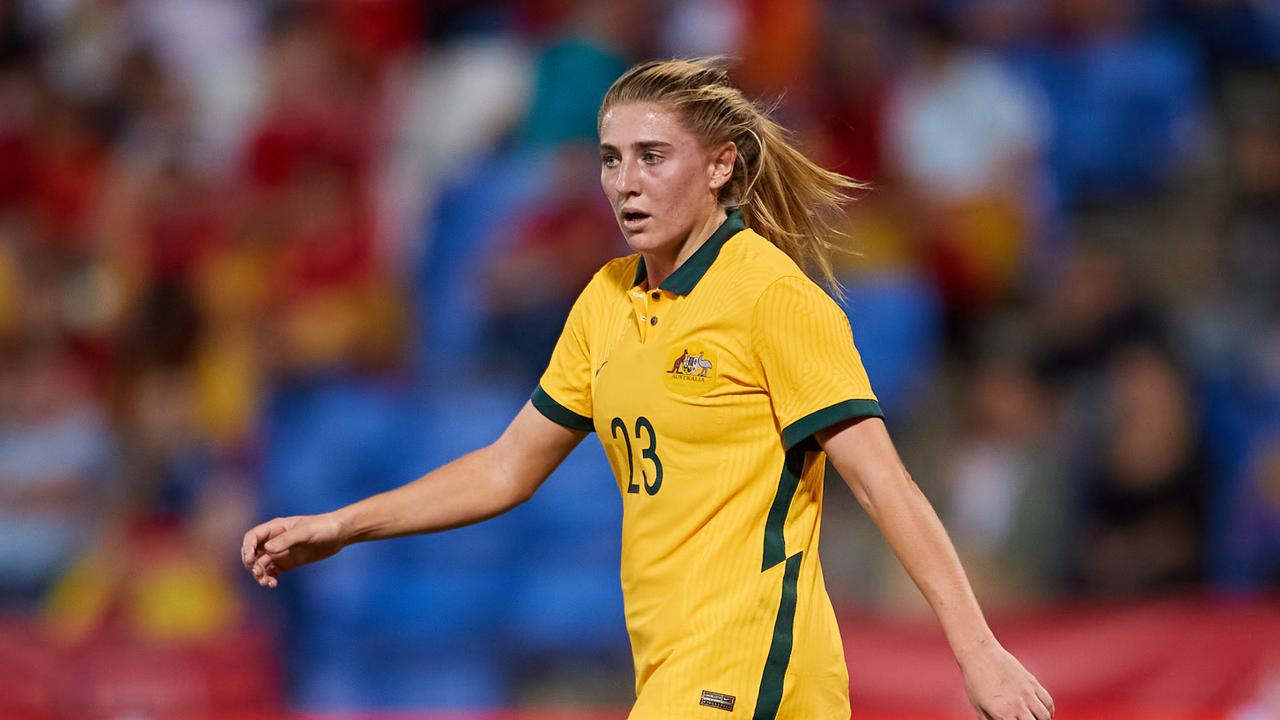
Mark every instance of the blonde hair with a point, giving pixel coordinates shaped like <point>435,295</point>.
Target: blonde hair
<point>783,195</point>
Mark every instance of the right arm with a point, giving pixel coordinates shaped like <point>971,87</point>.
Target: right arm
<point>475,487</point>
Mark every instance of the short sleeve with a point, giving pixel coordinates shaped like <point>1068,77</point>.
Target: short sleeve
<point>564,392</point>
<point>810,367</point>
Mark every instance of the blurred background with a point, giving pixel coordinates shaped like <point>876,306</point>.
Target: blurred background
<point>265,258</point>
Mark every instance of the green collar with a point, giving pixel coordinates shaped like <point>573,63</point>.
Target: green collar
<point>685,277</point>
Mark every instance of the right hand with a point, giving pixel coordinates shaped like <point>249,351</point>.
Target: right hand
<point>1000,688</point>
<point>286,543</point>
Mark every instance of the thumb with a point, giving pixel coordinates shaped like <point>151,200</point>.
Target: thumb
<point>285,540</point>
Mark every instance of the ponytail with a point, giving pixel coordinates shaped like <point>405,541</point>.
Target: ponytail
<point>783,195</point>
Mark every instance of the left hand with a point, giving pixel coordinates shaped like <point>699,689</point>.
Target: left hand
<point>1000,688</point>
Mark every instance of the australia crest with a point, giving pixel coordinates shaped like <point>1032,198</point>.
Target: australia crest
<point>691,369</point>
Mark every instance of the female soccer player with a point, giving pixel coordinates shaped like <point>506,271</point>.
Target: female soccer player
<point>717,375</point>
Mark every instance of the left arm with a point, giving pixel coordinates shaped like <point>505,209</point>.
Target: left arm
<point>999,687</point>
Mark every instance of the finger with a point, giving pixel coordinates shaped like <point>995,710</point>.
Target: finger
<point>272,570</point>
<point>285,540</point>
<point>249,548</point>
<point>276,565</point>
<point>254,539</point>
<point>258,568</point>
<point>1045,698</point>
<point>267,574</point>
<point>1038,709</point>
<point>264,566</point>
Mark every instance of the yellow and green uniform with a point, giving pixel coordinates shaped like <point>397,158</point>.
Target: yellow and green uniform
<point>706,393</point>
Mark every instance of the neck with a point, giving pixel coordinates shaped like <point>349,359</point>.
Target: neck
<point>659,264</point>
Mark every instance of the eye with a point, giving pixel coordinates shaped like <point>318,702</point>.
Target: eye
<point>609,160</point>
<point>651,158</point>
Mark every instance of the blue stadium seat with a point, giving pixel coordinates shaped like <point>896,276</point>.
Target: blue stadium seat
<point>1120,112</point>
<point>367,675</point>
<point>577,510</point>
<point>328,443</point>
<point>473,212</point>
<point>897,325</point>
<point>413,679</point>
<point>563,606</point>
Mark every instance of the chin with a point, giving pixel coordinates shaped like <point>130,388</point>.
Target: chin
<point>645,240</point>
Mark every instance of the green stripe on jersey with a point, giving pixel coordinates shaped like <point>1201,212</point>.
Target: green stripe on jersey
<point>775,667</point>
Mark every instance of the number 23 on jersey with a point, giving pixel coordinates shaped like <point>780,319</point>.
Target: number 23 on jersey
<point>647,441</point>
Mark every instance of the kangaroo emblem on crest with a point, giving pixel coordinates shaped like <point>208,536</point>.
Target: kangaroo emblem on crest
<point>679,362</point>
<point>688,364</point>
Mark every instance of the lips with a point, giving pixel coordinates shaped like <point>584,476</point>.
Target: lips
<point>633,219</point>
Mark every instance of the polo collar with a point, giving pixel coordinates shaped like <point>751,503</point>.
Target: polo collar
<point>685,277</point>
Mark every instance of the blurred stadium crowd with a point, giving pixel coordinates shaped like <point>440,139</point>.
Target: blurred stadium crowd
<point>262,258</point>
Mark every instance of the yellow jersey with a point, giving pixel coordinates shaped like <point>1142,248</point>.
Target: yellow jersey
<point>705,393</point>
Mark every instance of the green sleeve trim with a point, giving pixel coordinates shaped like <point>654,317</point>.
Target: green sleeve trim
<point>558,413</point>
<point>805,427</point>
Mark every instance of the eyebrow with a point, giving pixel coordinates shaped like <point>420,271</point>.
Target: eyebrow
<point>642,145</point>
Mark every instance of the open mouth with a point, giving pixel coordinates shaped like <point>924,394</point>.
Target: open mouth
<point>633,218</point>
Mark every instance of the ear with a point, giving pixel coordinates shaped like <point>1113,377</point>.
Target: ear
<point>721,163</point>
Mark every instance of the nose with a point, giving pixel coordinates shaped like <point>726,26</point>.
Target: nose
<point>624,179</point>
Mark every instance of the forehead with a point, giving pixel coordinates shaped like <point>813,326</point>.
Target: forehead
<point>631,123</point>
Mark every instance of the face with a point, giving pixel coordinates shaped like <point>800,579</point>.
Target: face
<point>660,180</point>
